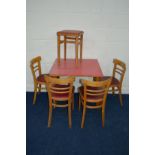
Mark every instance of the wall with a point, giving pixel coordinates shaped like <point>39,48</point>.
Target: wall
<point>106,32</point>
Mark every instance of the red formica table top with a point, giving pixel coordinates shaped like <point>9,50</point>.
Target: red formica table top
<point>68,67</point>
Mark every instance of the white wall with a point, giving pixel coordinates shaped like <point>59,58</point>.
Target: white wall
<point>104,22</point>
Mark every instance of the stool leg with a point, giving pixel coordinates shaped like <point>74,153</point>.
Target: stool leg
<point>58,44</point>
<point>81,46</point>
<point>76,49</point>
<point>65,47</point>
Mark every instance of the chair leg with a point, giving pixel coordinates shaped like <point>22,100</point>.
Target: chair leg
<point>50,117</point>
<point>120,97</point>
<point>54,104</point>
<point>39,88</point>
<point>73,102</point>
<point>79,103</point>
<point>69,114</point>
<point>103,116</point>
<point>35,95</point>
<point>83,116</point>
<point>113,90</point>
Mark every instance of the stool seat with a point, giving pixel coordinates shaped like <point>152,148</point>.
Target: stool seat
<point>70,32</point>
<point>70,36</point>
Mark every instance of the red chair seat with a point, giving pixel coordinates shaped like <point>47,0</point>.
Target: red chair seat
<point>113,82</point>
<point>41,78</point>
<point>61,86</point>
<point>61,96</point>
<point>90,97</point>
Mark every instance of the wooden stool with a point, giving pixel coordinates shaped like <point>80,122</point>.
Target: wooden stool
<point>70,36</point>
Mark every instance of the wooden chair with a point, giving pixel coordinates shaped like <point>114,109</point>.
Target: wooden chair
<point>70,36</point>
<point>117,78</point>
<point>93,95</point>
<point>38,77</point>
<point>60,90</point>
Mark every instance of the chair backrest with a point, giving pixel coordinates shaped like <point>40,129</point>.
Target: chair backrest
<point>119,69</point>
<point>60,86</point>
<point>97,90</point>
<point>35,67</point>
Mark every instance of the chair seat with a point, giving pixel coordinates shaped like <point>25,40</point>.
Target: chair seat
<point>62,96</point>
<point>41,78</point>
<point>70,32</point>
<point>113,82</point>
<point>61,86</point>
<point>90,98</point>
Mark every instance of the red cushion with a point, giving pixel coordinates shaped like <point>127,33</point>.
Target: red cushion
<point>60,96</point>
<point>113,82</point>
<point>41,78</point>
<point>63,95</point>
<point>90,97</point>
<point>61,86</point>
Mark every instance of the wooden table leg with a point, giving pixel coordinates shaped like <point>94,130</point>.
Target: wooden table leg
<point>76,49</point>
<point>81,46</point>
<point>58,46</point>
<point>65,47</point>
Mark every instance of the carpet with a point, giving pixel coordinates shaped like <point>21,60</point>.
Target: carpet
<point>113,139</point>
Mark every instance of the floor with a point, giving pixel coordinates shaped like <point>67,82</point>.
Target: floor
<point>113,139</point>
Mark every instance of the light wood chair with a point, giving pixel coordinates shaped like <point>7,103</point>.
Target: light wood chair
<point>60,90</point>
<point>93,95</point>
<point>117,78</point>
<point>38,77</point>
